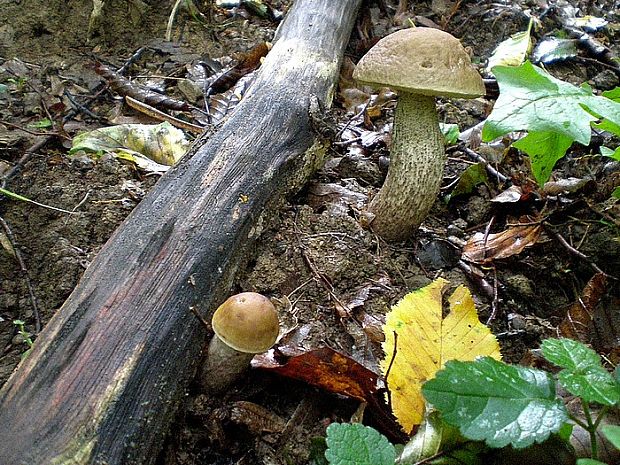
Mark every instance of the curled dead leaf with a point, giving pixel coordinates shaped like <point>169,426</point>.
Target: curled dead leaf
<point>484,249</point>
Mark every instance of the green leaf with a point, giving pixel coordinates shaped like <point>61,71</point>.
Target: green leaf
<point>613,94</point>
<point>495,402</point>
<point>566,431</point>
<point>608,126</point>
<point>553,112</point>
<point>450,132</point>
<point>45,123</point>
<point>545,148</point>
<point>612,433</point>
<point>616,193</point>
<point>607,152</point>
<point>470,178</point>
<point>589,462</point>
<point>570,354</point>
<point>427,440</point>
<point>470,453</point>
<point>583,374</point>
<point>318,446</point>
<point>356,444</point>
<point>554,49</point>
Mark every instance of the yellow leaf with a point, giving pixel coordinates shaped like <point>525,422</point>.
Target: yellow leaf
<point>425,341</point>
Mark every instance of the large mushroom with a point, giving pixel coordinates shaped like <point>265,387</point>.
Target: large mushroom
<point>245,324</point>
<point>419,63</point>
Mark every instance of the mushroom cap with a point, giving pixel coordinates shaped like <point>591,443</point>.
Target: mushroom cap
<point>421,60</point>
<point>247,322</point>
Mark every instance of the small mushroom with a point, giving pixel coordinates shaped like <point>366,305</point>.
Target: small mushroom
<point>419,63</point>
<point>245,324</point>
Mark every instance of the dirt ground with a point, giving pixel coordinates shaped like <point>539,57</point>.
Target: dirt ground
<point>314,254</point>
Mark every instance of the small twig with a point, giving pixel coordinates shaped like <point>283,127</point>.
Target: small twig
<point>495,301</point>
<point>21,198</point>
<point>603,214</point>
<point>23,160</point>
<point>389,368</point>
<point>161,116</point>
<point>348,123</point>
<point>202,320</point>
<point>100,89</point>
<point>575,252</point>
<point>131,60</point>
<point>78,107</point>
<point>477,278</point>
<point>80,203</point>
<point>28,131</point>
<point>479,158</point>
<point>24,271</point>
<point>487,231</point>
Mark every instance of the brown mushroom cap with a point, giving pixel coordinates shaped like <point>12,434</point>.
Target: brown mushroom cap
<point>247,322</point>
<point>423,61</point>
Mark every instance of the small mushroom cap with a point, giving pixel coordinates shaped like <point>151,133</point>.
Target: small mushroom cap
<point>423,61</point>
<point>247,322</point>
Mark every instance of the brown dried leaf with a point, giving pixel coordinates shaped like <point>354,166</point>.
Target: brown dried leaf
<point>505,244</point>
<point>511,195</point>
<point>568,186</point>
<point>221,105</point>
<point>246,63</point>
<point>127,88</point>
<point>607,328</point>
<point>576,323</point>
<point>353,99</point>
<point>320,194</point>
<point>256,418</point>
<point>327,369</point>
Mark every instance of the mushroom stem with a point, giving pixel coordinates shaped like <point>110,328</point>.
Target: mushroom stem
<point>417,158</point>
<point>223,366</point>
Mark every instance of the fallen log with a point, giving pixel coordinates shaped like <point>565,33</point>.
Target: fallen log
<point>107,373</point>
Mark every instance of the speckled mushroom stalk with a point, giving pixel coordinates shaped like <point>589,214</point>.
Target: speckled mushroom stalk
<point>415,172</point>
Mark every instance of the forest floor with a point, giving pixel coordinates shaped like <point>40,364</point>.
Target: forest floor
<point>335,279</point>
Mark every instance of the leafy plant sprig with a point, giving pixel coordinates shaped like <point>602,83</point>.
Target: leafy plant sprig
<point>554,113</point>
<point>501,404</point>
<point>26,336</point>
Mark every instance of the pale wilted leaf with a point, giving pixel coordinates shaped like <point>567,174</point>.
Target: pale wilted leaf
<point>484,249</point>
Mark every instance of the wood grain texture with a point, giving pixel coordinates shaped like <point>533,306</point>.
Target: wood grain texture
<point>104,379</point>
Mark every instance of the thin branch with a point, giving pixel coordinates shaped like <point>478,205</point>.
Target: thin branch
<point>24,271</point>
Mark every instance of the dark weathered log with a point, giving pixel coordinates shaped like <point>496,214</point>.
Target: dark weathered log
<point>106,374</point>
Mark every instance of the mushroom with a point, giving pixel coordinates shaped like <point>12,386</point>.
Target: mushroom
<point>419,63</point>
<point>244,325</point>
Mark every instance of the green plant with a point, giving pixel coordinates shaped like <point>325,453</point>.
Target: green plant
<point>503,405</point>
<point>26,336</point>
<point>18,82</point>
<point>21,198</point>
<point>553,112</point>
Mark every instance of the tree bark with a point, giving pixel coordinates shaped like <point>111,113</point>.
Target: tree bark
<point>106,375</point>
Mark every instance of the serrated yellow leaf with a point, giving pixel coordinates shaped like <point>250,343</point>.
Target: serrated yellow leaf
<point>425,341</point>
